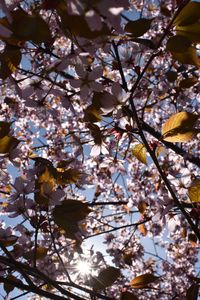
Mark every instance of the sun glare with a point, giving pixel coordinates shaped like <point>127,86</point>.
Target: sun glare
<point>84,267</point>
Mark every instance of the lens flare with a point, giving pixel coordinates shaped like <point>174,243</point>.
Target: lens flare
<point>84,267</point>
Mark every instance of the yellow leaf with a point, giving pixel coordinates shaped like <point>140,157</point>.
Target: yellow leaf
<point>189,14</point>
<point>188,57</point>
<point>194,191</point>
<point>180,127</point>
<point>8,143</point>
<point>142,281</point>
<point>139,151</point>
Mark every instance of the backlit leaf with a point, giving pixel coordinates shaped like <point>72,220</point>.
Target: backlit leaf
<point>142,228</point>
<point>189,14</point>
<point>8,143</point>
<point>142,281</point>
<point>105,278</point>
<point>104,101</point>
<point>45,182</point>
<point>9,60</point>
<point>77,25</point>
<point>139,151</point>
<point>188,57</point>
<point>92,114</point>
<point>96,133</point>
<point>179,127</point>
<point>194,191</point>
<point>178,43</point>
<point>41,252</point>
<point>191,32</point>
<point>68,214</point>
<point>192,292</point>
<point>68,176</point>
<point>139,27</point>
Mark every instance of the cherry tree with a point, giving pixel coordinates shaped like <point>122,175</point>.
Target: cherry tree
<point>99,139</point>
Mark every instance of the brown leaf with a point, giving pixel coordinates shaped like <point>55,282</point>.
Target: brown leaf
<point>178,43</point>
<point>128,296</point>
<point>142,281</point>
<point>139,27</point>
<point>68,214</point>
<point>192,292</point>
<point>188,82</point>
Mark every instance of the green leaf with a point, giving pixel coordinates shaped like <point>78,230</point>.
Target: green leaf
<point>189,14</point>
<point>139,27</point>
<point>139,151</point>
<point>8,143</point>
<point>180,127</point>
<point>192,292</point>
<point>142,281</point>
<point>194,191</point>
<point>105,278</point>
<point>178,43</point>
